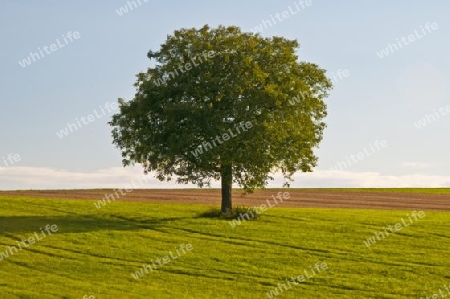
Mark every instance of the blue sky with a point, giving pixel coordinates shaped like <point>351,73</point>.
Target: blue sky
<point>381,99</point>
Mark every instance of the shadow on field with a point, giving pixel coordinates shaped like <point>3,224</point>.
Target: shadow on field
<point>77,224</point>
<point>238,212</point>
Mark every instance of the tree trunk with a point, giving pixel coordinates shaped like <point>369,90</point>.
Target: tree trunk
<point>227,182</point>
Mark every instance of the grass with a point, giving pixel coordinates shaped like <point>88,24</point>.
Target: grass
<point>395,190</point>
<point>95,252</point>
<point>238,212</point>
<point>371,190</point>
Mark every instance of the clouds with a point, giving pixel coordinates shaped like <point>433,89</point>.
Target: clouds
<point>22,178</point>
<point>347,179</point>
<point>417,165</point>
<point>14,178</point>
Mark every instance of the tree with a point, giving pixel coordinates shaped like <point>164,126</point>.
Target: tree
<point>219,103</point>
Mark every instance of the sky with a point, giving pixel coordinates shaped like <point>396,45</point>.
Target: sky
<point>388,115</point>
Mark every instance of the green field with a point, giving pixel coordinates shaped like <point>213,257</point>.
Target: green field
<point>95,252</point>
<point>371,190</point>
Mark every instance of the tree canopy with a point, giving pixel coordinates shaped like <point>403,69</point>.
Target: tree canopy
<point>219,103</point>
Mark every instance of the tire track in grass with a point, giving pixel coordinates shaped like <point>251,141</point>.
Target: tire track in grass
<point>258,241</point>
<point>33,249</point>
<point>95,255</point>
<point>57,277</point>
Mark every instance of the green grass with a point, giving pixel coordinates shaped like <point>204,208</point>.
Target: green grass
<point>393,190</point>
<point>396,190</point>
<point>96,251</point>
<point>371,190</point>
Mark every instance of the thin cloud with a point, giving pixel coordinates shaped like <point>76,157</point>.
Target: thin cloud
<point>417,165</point>
<point>23,178</point>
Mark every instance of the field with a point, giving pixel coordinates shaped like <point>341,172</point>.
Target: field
<point>101,252</point>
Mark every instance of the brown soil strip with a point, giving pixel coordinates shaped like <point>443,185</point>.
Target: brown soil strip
<point>310,198</point>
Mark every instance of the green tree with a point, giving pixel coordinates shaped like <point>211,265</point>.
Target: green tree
<point>208,83</point>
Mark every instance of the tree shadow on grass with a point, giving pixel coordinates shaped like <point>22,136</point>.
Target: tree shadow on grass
<point>211,213</point>
<point>77,224</point>
<point>89,223</point>
<point>238,212</point>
